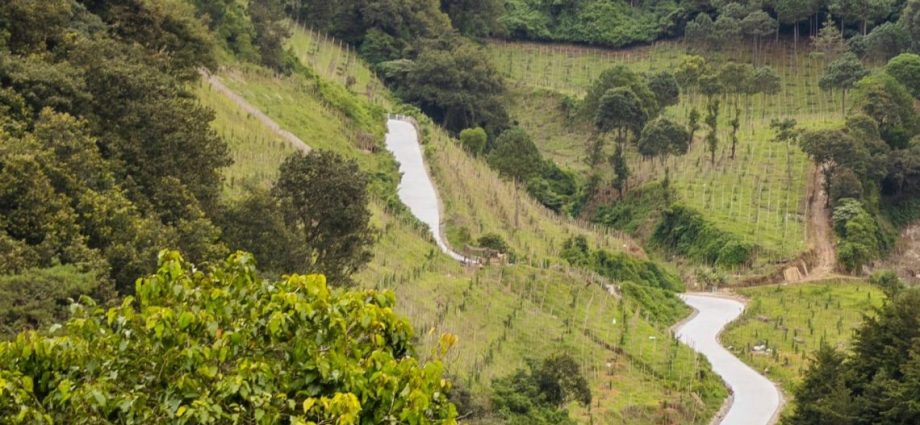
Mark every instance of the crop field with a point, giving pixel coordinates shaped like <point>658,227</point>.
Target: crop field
<point>764,203</point>
<point>793,320</point>
<point>501,314</point>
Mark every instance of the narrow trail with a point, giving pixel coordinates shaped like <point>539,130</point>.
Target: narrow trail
<point>295,141</point>
<point>820,229</point>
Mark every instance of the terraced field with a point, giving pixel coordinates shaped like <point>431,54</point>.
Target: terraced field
<point>760,195</point>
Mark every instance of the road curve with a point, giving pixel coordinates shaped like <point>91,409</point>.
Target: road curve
<point>416,189</point>
<point>755,400</point>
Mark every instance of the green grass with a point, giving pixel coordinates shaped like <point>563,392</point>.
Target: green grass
<point>761,195</point>
<point>255,149</point>
<point>793,320</point>
<point>502,314</point>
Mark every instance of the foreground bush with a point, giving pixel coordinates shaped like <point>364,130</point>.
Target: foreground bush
<point>223,346</point>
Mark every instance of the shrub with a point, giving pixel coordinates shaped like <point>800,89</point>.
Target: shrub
<point>39,297</point>
<point>686,232</point>
<point>474,140</point>
<point>493,241</point>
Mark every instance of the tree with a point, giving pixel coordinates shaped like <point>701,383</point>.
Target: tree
<point>267,18</point>
<point>735,124</point>
<point>620,169</point>
<point>842,74</point>
<point>727,30</point>
<point>712,120</point>
<point>621,76</point>
<point>889,103</point>
<point>456,86</point>
<point>689,71</point>
<point>757,24</point>
<point>538,395</point>
<point>863,11</point>
<point>474,140</point>
<point>516,156</point>
<point>906,69</point>
<point>663,137</point>
<point>844,184</point>
<point>830,42</point>
<point>219,344</point>
<point>621,110</point>
<point>701,30</point>
<point>476,18</point>
<point>830,149</point>
<point>887,41</point>
<point>323,199</point>
<point>910,22</point>
<point>766,82</point>
<point>711,85</point>
<point>256,224</point>
<point>823,395</point>
<point>735,78</point>
<point>792,12</point>
<point>693,124</point>
<point>665,88</point>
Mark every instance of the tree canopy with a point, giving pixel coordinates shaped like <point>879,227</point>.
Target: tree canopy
<point>221,345</point>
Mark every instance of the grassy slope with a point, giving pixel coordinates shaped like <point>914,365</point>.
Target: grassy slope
<point>793,320</point>
<point>761,195</point>
<point>502,314</point>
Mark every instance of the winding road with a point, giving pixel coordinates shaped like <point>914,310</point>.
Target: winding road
<point>416,189</point>
<point>755,399</point>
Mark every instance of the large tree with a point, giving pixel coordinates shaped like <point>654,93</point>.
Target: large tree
<point>323,198</point>
<point>663,137</point>
<point>842,74</point>
<point>621,110</point>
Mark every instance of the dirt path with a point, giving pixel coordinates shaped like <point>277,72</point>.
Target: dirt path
<point>252,110</point>
<point>820,229</point>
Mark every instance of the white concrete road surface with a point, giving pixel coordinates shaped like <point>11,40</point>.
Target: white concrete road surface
<point>416,189</point>
<point>756,400</point>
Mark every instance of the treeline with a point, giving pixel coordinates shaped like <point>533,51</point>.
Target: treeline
<point>711,24</point>
<point>106,158</point>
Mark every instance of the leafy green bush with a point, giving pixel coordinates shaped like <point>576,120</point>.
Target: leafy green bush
<point>474,140</point>
<point>687,233</point>
<point>223,346</point>
<point>861,238</point>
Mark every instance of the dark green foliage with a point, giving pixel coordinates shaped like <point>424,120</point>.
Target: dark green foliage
<point>474,140</point>
<point>493,241</point>
<point>889,103</point>
<point>823,398</point>
<point>910,21</point>
<point>665,88</point>
<point>323,199</point>
<point>663,137</point>
<point>475,18</point>
<point>37,298</point>
<point>638,212</point>
<point>620,109</point>
<point>220,345</point>
<point>619,266</point>
<point>256,224</point>
<point>600,22</point>
<point>515,155</point>
<point>555,188</point>
<point>842,74</point>
<point>861,238</point>
<point>616,77</point>
<point>538,395</point>
<point>269,30</point>
<point>685,232</point>
<point>457,86</point>
<point>712,121</point>
<point>906,69</point>
<point>878,382</point>
<point>887,41</point>
<point>888,281</point>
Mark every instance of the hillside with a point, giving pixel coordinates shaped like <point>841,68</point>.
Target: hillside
<point>501,314</point>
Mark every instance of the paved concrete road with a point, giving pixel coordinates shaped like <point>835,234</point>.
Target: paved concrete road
<point>756,399</point>
<point>416,189</point>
